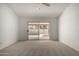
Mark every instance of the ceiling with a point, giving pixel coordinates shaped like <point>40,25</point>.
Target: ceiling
<point>38,10</point>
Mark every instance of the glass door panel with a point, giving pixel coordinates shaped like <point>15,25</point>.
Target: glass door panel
<point>43,31</point>
<point>33,33</point>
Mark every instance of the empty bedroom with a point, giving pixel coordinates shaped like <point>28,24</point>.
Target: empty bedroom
<point>39,29</point>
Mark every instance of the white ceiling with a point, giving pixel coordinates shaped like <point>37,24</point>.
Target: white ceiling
<point>32,9</point>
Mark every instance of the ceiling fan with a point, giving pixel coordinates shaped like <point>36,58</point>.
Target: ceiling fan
<point>38,6</point>
<point>46,4</point>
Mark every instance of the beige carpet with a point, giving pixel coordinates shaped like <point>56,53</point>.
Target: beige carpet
<point>39,48</point>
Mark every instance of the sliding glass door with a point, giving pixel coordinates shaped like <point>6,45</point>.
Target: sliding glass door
<point>38,31</point>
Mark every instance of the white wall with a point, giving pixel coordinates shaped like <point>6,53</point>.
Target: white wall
<point>8,26</point>
<point>23,21</point>
<point>69,26</point>
<point>54,29</point>
<point>22,28</point>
